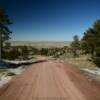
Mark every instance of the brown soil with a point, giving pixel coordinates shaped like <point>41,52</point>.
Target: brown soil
<point>50,80</point>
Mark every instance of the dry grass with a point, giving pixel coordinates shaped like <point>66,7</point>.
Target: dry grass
<point>3,70</point>
<point>81,62</point>
<point>84,62</point>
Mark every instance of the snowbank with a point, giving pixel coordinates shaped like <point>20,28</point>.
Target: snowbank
<point>15,63</point>
<point>12,68</point>
<point>4,79</point>
<point>18,61</point>
<point>16,70</point>
<point>95,71</point>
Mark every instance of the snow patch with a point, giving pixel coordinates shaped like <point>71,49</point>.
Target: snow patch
<point>96,71</point>
<point>4,80</point>
<point>16,70</point>
<point>18,61</point>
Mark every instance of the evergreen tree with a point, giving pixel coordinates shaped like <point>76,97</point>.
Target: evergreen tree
<point>4,30</point>
<point>91,42</point>
<point>75,46</point>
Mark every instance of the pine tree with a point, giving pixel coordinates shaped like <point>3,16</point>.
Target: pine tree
<point>91,42</point>
<point>75,46</point>
<point>4,30</point>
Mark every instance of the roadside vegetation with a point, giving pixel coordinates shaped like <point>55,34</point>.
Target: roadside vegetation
<point>4,30</point>
<point>87,49</point>
<point>90,42</point>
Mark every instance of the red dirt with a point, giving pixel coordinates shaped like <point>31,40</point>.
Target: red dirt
<point>50,80</point>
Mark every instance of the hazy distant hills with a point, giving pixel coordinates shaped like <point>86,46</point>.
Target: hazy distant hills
<point>41,44</point>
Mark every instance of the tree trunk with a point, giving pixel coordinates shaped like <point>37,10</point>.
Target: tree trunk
<point>0,47</point>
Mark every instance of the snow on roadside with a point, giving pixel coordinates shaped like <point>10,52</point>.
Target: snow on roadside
<point>19,61</point>
<point>95,71</point>
<point>16,70</point>
<point>4,76</point>
<point>4,79</point>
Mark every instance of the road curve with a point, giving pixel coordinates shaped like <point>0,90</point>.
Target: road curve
<point>50,80</point>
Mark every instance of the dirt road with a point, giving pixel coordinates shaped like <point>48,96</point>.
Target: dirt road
<point>50,80</point>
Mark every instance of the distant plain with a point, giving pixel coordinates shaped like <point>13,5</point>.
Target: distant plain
<point>41,44</point>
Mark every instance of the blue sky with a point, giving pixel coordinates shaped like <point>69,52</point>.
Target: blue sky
<point>50,20</point>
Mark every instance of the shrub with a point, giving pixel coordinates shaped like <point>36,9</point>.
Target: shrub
<point>96,60</point>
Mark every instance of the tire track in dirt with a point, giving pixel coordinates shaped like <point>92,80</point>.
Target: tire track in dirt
<point>50,80</point>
